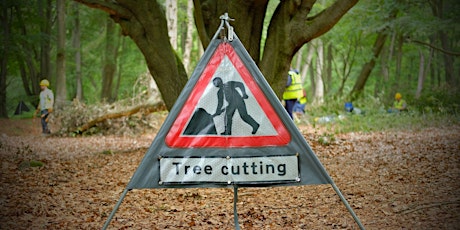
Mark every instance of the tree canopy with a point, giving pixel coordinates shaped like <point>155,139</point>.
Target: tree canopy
<point>343,49</point>
<point>292,25</point>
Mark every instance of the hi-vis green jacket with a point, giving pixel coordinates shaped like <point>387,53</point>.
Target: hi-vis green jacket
<point>294,90</point>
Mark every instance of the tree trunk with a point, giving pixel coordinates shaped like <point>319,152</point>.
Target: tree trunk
<point>389,55</point>
<point>383,79</point>
<point>318,97</point>
<point>171,17</point>
<point>448,60</point>
<point>29,74</point>
<point>110,57</point>
<point>421,75</point>
<point>328,68</point>
<point>248,23</point>
<point>369,66</point>
<point>61,88</point>
<point>399,57</point>
<point>312,80</point>
<point>438,8</point>
<point>76,43</point>
<point>287,33</point>
<point>120,69</point>
<point>431,67</point>
<point>299,59</point>
<point>5,17</point>
<point>307,65</point>
<point>45,9</point>
<point>3,74</point>
<point>348,63</point>
<point>188,36</point>
<point>145,23</point>
<point>429,63</point>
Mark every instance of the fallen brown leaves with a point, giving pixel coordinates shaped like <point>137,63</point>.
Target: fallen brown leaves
<point>392,180</point>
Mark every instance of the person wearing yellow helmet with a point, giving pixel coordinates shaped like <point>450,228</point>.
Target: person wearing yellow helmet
<point>399,104</point>
<point>45,106</point>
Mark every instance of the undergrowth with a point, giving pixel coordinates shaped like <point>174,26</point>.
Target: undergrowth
<point>370,114</point>
<point>437,108</point>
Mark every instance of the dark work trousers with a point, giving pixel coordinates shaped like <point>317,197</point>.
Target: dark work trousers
<point>289,105</point>
<point>44,116</point>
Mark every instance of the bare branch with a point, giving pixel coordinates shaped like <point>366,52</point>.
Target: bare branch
<point>112,8</point>
<point>434,47</point>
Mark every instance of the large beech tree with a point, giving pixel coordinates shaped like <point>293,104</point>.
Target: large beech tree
<point>291,26</point>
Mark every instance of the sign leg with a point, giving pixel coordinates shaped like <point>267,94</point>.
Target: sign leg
<point>347,205</point>
<point>115,209</point>
<point>235,212</point>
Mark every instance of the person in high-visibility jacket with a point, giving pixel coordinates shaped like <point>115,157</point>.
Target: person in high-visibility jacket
<point>293,91</point>
<point>399,104</point>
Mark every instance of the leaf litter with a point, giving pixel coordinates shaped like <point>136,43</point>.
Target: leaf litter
<point>392,180</point>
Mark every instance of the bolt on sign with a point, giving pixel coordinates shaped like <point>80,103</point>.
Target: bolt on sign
<point>227,129</point>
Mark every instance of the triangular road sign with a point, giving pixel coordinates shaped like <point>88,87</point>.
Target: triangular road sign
<point>197,147</point>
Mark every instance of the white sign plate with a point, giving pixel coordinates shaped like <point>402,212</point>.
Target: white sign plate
<point>229,170</point>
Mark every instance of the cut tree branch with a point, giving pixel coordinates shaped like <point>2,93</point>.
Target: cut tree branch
<point>147,108</point>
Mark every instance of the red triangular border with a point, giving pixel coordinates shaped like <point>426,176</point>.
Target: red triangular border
<point>176,140</point>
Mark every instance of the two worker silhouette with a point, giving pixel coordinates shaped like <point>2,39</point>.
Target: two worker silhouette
<point>203,123</point>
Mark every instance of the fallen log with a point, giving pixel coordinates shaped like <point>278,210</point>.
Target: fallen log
<point>146,108</point>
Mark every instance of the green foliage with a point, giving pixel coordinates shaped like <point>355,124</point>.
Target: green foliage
<point>431,110</point>
<point>437,101</point>
<point>326,139</point>
<point>357,30</point>
<point>354,35</point>
<point>30,164</point>
<point>130,59</point>
<point>107,152</point>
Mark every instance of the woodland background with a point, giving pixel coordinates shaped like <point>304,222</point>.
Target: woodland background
<point>397,171</point>
<point>376,49</point>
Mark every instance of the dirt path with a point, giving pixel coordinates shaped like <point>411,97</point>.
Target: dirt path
<point>393,180</point>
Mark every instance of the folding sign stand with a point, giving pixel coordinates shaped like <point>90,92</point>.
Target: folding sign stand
<point>228,129</point>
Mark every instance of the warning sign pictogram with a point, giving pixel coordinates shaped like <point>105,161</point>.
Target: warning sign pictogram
<point>227,108</point>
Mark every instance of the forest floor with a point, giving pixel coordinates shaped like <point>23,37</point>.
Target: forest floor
<point>392,180</point>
